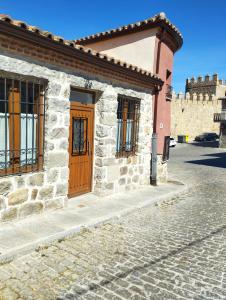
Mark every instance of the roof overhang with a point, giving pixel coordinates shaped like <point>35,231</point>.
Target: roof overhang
<point>21,30</point>
<point>159,21</point>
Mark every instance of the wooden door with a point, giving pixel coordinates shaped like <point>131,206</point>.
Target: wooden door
<point>80,148</point>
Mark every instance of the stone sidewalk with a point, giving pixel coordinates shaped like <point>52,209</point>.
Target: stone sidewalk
<point>82,212</point>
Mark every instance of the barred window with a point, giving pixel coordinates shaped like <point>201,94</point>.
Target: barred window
<point>128,114</point>
<point>21,126</point>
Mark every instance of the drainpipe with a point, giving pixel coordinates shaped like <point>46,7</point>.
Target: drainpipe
<point>154,140</point>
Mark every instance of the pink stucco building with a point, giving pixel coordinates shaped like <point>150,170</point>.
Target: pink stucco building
<point>150,45</point>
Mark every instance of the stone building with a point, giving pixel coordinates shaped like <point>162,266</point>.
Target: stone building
<point>220,118</point>
<point>192,113</point>
<point>73,120</point>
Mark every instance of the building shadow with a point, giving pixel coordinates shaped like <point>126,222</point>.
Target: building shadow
<point>218,160</point>
<point>211,144</point>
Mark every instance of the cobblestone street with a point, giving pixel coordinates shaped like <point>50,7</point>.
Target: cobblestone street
<point>173,251</point>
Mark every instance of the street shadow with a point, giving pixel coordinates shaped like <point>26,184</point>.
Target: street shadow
<point>218,160</point>
<point>212,144</point>
<point>150,262</point>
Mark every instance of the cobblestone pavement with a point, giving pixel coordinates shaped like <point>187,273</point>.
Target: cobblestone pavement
<point>173,251</point>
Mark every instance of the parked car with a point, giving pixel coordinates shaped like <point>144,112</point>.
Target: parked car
<point>172,142</point>
<point>208,136</point>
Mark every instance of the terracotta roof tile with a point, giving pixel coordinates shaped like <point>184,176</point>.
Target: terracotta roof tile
<point>161,17</point>
<point>72,44</point>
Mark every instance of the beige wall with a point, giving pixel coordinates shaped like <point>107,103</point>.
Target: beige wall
<point>135,48</point>
<point>194,117</point>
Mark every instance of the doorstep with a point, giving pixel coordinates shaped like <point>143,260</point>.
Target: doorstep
<point>21,237</point>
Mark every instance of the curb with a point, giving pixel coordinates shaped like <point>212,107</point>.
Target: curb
<point>47,241</point>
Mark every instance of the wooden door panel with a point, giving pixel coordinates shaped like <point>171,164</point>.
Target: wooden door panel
<point>80,149</point>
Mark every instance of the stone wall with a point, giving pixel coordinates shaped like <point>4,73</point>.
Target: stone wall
<point>209,85</point>
<point>222,142</point>
<point>113,174</point>
<point>27,194</point>
<point>162,170</point>
<point>193,114</point>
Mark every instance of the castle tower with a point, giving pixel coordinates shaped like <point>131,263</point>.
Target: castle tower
<point>210,85</point>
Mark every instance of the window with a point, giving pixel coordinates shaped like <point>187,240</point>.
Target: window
<point>21,126</point>
<point>127,126</point>
<point>169,88</point>
<point>83,97</point>
<point>79,137</point>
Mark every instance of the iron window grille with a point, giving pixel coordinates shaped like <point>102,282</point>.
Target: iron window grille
<point>22,114</point>
<point>128,115</point>
<point>169,92</point>
<point>80,143</point>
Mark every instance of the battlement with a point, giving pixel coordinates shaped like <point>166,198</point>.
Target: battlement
<point>194,96</point>
<point>206,80</point>
<point>205,87</point>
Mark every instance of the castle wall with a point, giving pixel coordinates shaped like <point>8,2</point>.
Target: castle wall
<point>210,85</point>
<point>194,116</point>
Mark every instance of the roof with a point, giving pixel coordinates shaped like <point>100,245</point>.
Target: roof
<point>91,53</point>
<point>158,20</point>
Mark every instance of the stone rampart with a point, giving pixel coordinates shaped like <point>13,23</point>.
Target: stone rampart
<point>192,114</point>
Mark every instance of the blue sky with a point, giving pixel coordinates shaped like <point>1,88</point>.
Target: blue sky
<point>202,23</point>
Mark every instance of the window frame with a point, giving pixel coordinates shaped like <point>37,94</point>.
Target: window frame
<point>125,103</point>
<point>14,114</point>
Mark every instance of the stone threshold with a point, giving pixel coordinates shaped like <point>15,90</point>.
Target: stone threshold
<point>86,211</point>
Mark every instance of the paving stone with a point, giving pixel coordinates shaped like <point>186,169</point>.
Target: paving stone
<point>174,251</point>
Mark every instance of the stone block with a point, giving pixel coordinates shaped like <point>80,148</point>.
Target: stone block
<point>130,171</point>
<point>36,179</point>
<point>61,189</point>
<point>135,178</point>
<point>109,161</point>
<point>108,105</point>
<point>49,146</point>
<point>64,144</point>
<point>113,173</point>
<point>99,162</point>
<point>30,208</point>
<point>2,202</point>
<point>52,175</point>
<point>58,133</point>
<point>58,105</point>
<point>34,194</point>
<point>110,186</point>
<point>101,151</point>
<point>67,120</point>
<point>122,181</point>
<point>57,159</point>
<point>9,214</point>
<point>107,141</point>
<point>19,180</point>
<point>141,170</point>
<point>129,180</point>
<point>102,131</point>
<point>45,193</point>
<point>18,197</point>
<point>99,173</point>
<point>5,187</point>
<point>64,173</point>
<point>51,120</point>
<point>53,89</point>
<point>123,170</point>
<point>108,119</point>
<point>54,203</point>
